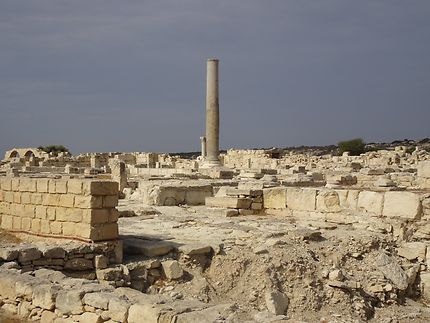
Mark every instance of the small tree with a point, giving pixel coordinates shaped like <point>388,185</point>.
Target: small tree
<point>354,146</point>
<point>54,149</point>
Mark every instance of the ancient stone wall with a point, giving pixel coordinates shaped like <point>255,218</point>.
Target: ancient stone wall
<point>81,209</point>
<point>404,205</point>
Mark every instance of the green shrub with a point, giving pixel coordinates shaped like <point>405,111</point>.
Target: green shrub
<point>355,146</point>
<point>54,149</point>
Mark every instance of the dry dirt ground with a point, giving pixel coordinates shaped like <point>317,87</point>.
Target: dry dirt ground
<point>329,272</point>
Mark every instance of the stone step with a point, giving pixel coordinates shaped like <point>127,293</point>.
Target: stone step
<point>229,202</point>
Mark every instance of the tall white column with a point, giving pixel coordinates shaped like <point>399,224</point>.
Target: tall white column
<point>212,114</point>
<point>203,145</point>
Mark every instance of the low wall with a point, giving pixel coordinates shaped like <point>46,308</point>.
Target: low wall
<point>171,194</point>
<point>404,205</point>
<point>81,209</point>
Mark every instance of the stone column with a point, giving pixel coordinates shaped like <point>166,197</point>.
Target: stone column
<point>212,114</point>
<point>203,144</point>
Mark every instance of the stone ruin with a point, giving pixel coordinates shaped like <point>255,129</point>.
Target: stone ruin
<point>269,235</point>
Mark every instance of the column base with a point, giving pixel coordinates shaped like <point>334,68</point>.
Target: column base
<point>211,164</point>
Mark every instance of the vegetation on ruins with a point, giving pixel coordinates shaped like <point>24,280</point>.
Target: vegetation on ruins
<point>54,149</point>
<point>355,146</point>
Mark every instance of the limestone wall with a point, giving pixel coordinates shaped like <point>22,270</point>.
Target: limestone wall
<point>404,205</point>
<point>82,209</point>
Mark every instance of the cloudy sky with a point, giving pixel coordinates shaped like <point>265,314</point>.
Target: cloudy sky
<point>129,75</point>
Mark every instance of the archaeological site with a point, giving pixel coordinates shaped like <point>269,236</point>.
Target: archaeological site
<point>262,235</point>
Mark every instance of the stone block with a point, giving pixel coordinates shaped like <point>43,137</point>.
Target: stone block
<point>97,300</point>
<point>51,186</point>
<point>45,227</point>
<point>99,187</point>
<point>7,283</point>
<point>29,254</point>
<point>8,197</point>
<point>15,184</point>
<point>101,232</point>
<point>328,201</point>
<point>172,269</point>
<point>6,183</point>
<point>25,198</point>
<point>110,201</point>
<point>405,205</point>
<point>97,216</point>
<point>28,211</point>
<point>40,212</point>
<point>144,313</point>
<point>7,222</point>
<point>61,186</point>
<point>370,202</point>
<point>229,202</point>
<point>26,224</point>
<point>89,317</point>
<point>8,254</point>
<point>413,250</point>
<point>44,296</point>
<point>88,202</point>
<point>47,317</point>
<point>51,213</point>
<point>17,197</point>
<point>423,169</point>
<point>275,198</point>
<point>51,199</point>
<point>301,199</point>
<point>35,225</point>
<point>276,302</point>
<point>36,198</point>
<point>74,186</point>
<point>70,302</point>
<point>79,264</point>
<point>56,227</point>
<point>27,185</point>
<point>42,185</point>
<point>66,200</point>
<point>118,310</point>
<point>148,248</point>
<point>69,229</point>
<point>425,285</point>
<point>16,224</point>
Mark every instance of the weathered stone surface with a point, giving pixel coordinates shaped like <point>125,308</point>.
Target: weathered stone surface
<point>370,202</point>
<point>78,264</point>
<point>8,254</point>
<point>275,198</point>
<point>402,205</point>
<point>89,317</point>
<point>143,313</point>
<point>413,250</point>
<point>97,300</point>
<point>276,302</point>
<point>392,270</point>
<point>425,285</point>
<point>44,296</point>
<point>195,249</point>
<point>172,269</point>
<point>47,317</point>
<point>70,302</point>
<point>423,169</point>
<point>118,310</point>
<point>301,199</point>
<point>149,248</point>
<point>229,202</point>
<point>29,254</point>
<point>328,201</point>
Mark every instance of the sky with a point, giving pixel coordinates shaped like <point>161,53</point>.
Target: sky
<point>129,75</point>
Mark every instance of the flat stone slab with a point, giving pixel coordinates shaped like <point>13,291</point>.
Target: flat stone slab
<point>149,248</point>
